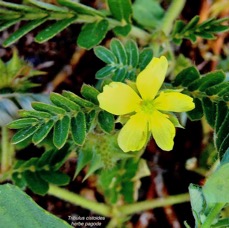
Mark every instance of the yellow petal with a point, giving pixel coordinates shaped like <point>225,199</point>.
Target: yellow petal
<point>118,98</point>
<point>133,136</point>
<point>163,130</point>
<point>151,78</point>
<point>173,102</point>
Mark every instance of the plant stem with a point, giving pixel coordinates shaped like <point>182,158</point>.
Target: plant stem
<point>75,199</point>
<point>117,211</point>
<point>212,215</point>
<point>171,14</point>
<point>155,203</point>
<point>6,156</point>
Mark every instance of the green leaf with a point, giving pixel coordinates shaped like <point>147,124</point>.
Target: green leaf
<point>48,6</point>
<point>19,7</point>
<point>148,13</point>
<point>105,72</point>
<point>36,183</point>
<point>210,79</point>
<point>55,158</point>
<point>120,9</point>
<point>209,109</point>
<point>42,131</point>
<point>197,201</point>
<point>99,30</point>
<point>186,76</point>
<point>90,119</point>
<point>197,113</point>
<point>119,74</point>
<point>78,128</point>
<point>90,93</point>
<point>221,113</point>
<point>36,114</point>
<point>9,23</point>
<point>63,102</point>
<point>145,57</point>
<point>132,53</point>
<point>61,130</point>
<point>23,31</point>
<point>22,211</point>
<point>22,123</point>
<point>80,8</point>
<point>78,100</point>
<point>222,135</point>
<point>54,29</point>
<point>216,188</point>
<point>119,51</point>
<point>191,24</point>
<point>57,177</point>
<point>122,30</point>
<point>106,121</point>
<point>105,55</point>
<point>23,134</point>
<point>48,108</point>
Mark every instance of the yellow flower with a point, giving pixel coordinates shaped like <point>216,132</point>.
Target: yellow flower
<point>148,108</point>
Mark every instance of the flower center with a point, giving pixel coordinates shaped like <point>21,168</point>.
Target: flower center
<point>147,106</point>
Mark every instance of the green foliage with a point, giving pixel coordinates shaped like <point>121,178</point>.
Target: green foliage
<point>62,117</point>
<point>193,29</point>
<point>37,173</point>
<point>24,212</point>
<point>210,93</point>
<point>205,199</point>
<point>99,30</point>
<point>122,11</point>
<point>148,13</point>
<point>123,61</point>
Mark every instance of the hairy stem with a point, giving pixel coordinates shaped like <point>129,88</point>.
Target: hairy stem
<point>155,203</point>
<point>7,150</point>
<point>75,199</point>
<point>212,215</point>
<point>172,14</point>
<point>117,211</point>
